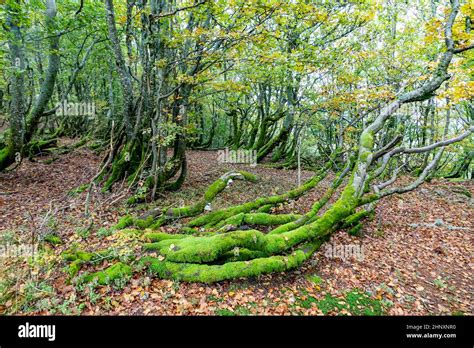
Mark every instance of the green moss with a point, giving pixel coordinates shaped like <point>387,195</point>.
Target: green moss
<point>224,312</point>
<point>7,157</point>
<point>128,160</point>
<point>78,190</point>
<point>361,303</point>
<point>143,223</point>
<point>77,259</point>
<point>269,219</point>
<point>329,304</point>
<point>112,273</point>
<point>207,249</point>
<point>74,268</point>
<point>196,250</point>
<point>365,155</point>
<point>135,199</point>
<point>355,218</point>
<point>311,216</point>
<point>53,239</point>
<point>342,208</point>
<point>241,254</point>
<point>315,279</point>
<point>367,140</point>
<point>124,222</point>
<point>37,146</point>
<point>265,208</point>
<point>212,191</point>
<point>355,231</point>
<point>417,171</point>
<point>235,220</point>
<point>230,270</point>
<point>73,255</point>
<point>157,237</point>
<point>248,176</point>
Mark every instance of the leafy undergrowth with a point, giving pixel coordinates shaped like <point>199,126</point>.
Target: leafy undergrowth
<point>414,256</point>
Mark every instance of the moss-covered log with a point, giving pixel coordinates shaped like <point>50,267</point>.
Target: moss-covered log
<point>262,219</point>
<point>113,273</point>
<point>230,270</point>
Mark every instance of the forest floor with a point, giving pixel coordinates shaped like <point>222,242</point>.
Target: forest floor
<point>413,258</point>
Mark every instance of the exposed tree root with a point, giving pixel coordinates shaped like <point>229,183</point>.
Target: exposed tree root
<point>115,272</point>
<point>213,273</point>
<point>219,253</point>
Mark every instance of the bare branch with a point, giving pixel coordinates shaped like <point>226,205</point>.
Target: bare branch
<point>428,169</point>
<point>464,49</point>
<point>172,13</point>
<point>387,147</point>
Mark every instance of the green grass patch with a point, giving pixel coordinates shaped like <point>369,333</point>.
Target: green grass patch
<point>356,302</point>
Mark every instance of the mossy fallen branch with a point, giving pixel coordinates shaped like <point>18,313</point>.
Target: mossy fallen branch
<point>108,275</point>
<point>230,270</point>
<point>78,258</point>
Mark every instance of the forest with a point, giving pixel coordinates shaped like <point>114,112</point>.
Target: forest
<point>236,157</point>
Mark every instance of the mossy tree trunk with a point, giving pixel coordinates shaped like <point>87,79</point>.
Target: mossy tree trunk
<point>23,126</point>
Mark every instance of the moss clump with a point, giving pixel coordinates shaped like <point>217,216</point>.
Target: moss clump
<point>127,161</point>
<point>355,231</point>
<point>73,255</point>
<point>135,199</point>
<point>212,191</point>
<point>265,208</point>
<point>53,239</point>
<point>124,222</point>
<point>248,176</point>
<point>366,145</point>
<point>143,223</point>
<point>74,268</point>
<point>7,156</point>
<point>367,140</point>
<point>112,273</point>
<point>77,258</point>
